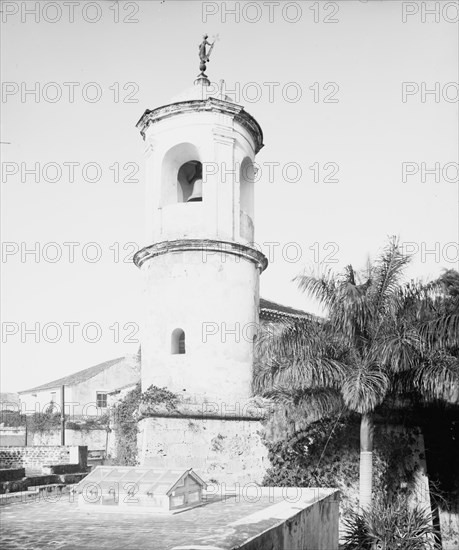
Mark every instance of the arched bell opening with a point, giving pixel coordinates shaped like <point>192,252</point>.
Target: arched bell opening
<point>180,169</point>
<point>189,179</point>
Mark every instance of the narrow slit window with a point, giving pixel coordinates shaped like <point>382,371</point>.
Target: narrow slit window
<point>178,342</point>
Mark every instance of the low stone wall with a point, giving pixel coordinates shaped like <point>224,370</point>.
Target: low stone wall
<point>12,436</point>
<point>301,519</point>
<point>313,527</point>
<point>61,469</point>
<point>12,474</point>
<point>219,450</point>
<point>93,439</point>
<point>33,458</point>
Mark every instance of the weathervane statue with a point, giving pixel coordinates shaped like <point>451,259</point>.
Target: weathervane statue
<point>204,54</point>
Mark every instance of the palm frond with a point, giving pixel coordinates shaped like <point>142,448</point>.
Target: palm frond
<point>438,378</point>
<point>310,402</point>
<point>365,387</point>
<point>399,349</point>
<point>321,288</point>
<point>442,331</point>
<point>387,274</point>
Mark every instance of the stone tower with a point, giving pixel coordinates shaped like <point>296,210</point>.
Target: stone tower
<point>201,285</point>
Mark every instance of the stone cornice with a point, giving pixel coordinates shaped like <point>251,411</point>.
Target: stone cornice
<point>204,245</point>
<point>212,105</point>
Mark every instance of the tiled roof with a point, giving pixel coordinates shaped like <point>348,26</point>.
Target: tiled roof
<point>272,310</point>
<point>76,377</point>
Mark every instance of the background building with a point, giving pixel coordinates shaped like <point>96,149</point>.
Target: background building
<point>86,391</point>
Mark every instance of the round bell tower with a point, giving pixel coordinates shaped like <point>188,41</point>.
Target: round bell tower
<point>200,267</point>
<point>201,270</point>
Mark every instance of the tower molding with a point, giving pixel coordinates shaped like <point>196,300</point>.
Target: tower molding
<point>202,245</point>
<point>199,106</point>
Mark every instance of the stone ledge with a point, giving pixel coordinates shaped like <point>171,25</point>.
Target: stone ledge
<point>212,105</point>
<point>49,469</point>
<point>201,245</point>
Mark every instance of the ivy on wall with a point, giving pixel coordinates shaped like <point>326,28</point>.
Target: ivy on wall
<point>155,398</point>
<point>126,416</point>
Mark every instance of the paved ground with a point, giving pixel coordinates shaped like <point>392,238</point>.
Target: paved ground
<point>62,525</point>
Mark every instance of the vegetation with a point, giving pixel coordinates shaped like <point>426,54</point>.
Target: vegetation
<point>12,419</point>
<point>388,525</point>
<point>155,397</point>
<point>48,421</point>
<point>91,423</point>
<point>125,424</point>
<point>126,415</point>
<point>43,422</point>
<point>381,342</point>
<point>326,453</point>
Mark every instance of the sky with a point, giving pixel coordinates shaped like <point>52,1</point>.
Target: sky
<point>358,148</point>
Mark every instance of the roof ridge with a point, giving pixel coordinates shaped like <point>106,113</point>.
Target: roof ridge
<point>76,377</point>
<point>280,309</point>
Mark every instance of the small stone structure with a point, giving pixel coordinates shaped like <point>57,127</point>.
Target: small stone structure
<point>131,489</point>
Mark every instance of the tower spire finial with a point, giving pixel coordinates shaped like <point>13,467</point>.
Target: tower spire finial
<point>204,56</point>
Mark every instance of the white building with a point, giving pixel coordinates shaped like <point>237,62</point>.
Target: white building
<point>86,392</point>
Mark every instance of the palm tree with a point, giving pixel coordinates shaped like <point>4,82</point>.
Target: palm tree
<point>440,311</point>
<point>349,360</point>
<point>433,309</point>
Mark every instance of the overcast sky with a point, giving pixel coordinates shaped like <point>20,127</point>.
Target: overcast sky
<point>334,111</point>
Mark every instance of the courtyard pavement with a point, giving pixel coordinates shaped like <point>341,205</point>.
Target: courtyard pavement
<point>62,525</point>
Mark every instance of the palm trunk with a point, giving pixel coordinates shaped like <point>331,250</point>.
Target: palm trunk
<point>366,460</point>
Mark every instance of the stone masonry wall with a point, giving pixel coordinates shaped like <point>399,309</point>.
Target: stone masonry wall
<point>33,458</point>
<point>223,451</point>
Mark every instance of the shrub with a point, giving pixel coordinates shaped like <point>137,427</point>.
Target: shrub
<point>12,419</point>
<point>43,422</point>
<point>154,397</point>
<point>390,524</point>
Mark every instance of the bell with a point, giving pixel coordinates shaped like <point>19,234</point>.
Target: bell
<point>196,194</point>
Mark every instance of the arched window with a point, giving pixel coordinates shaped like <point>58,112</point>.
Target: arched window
<point>177,341</point>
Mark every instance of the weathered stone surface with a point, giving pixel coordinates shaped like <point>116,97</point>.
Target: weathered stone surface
<point>221,450</point>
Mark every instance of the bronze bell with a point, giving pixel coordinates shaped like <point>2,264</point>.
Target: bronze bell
<point>196,194</point>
